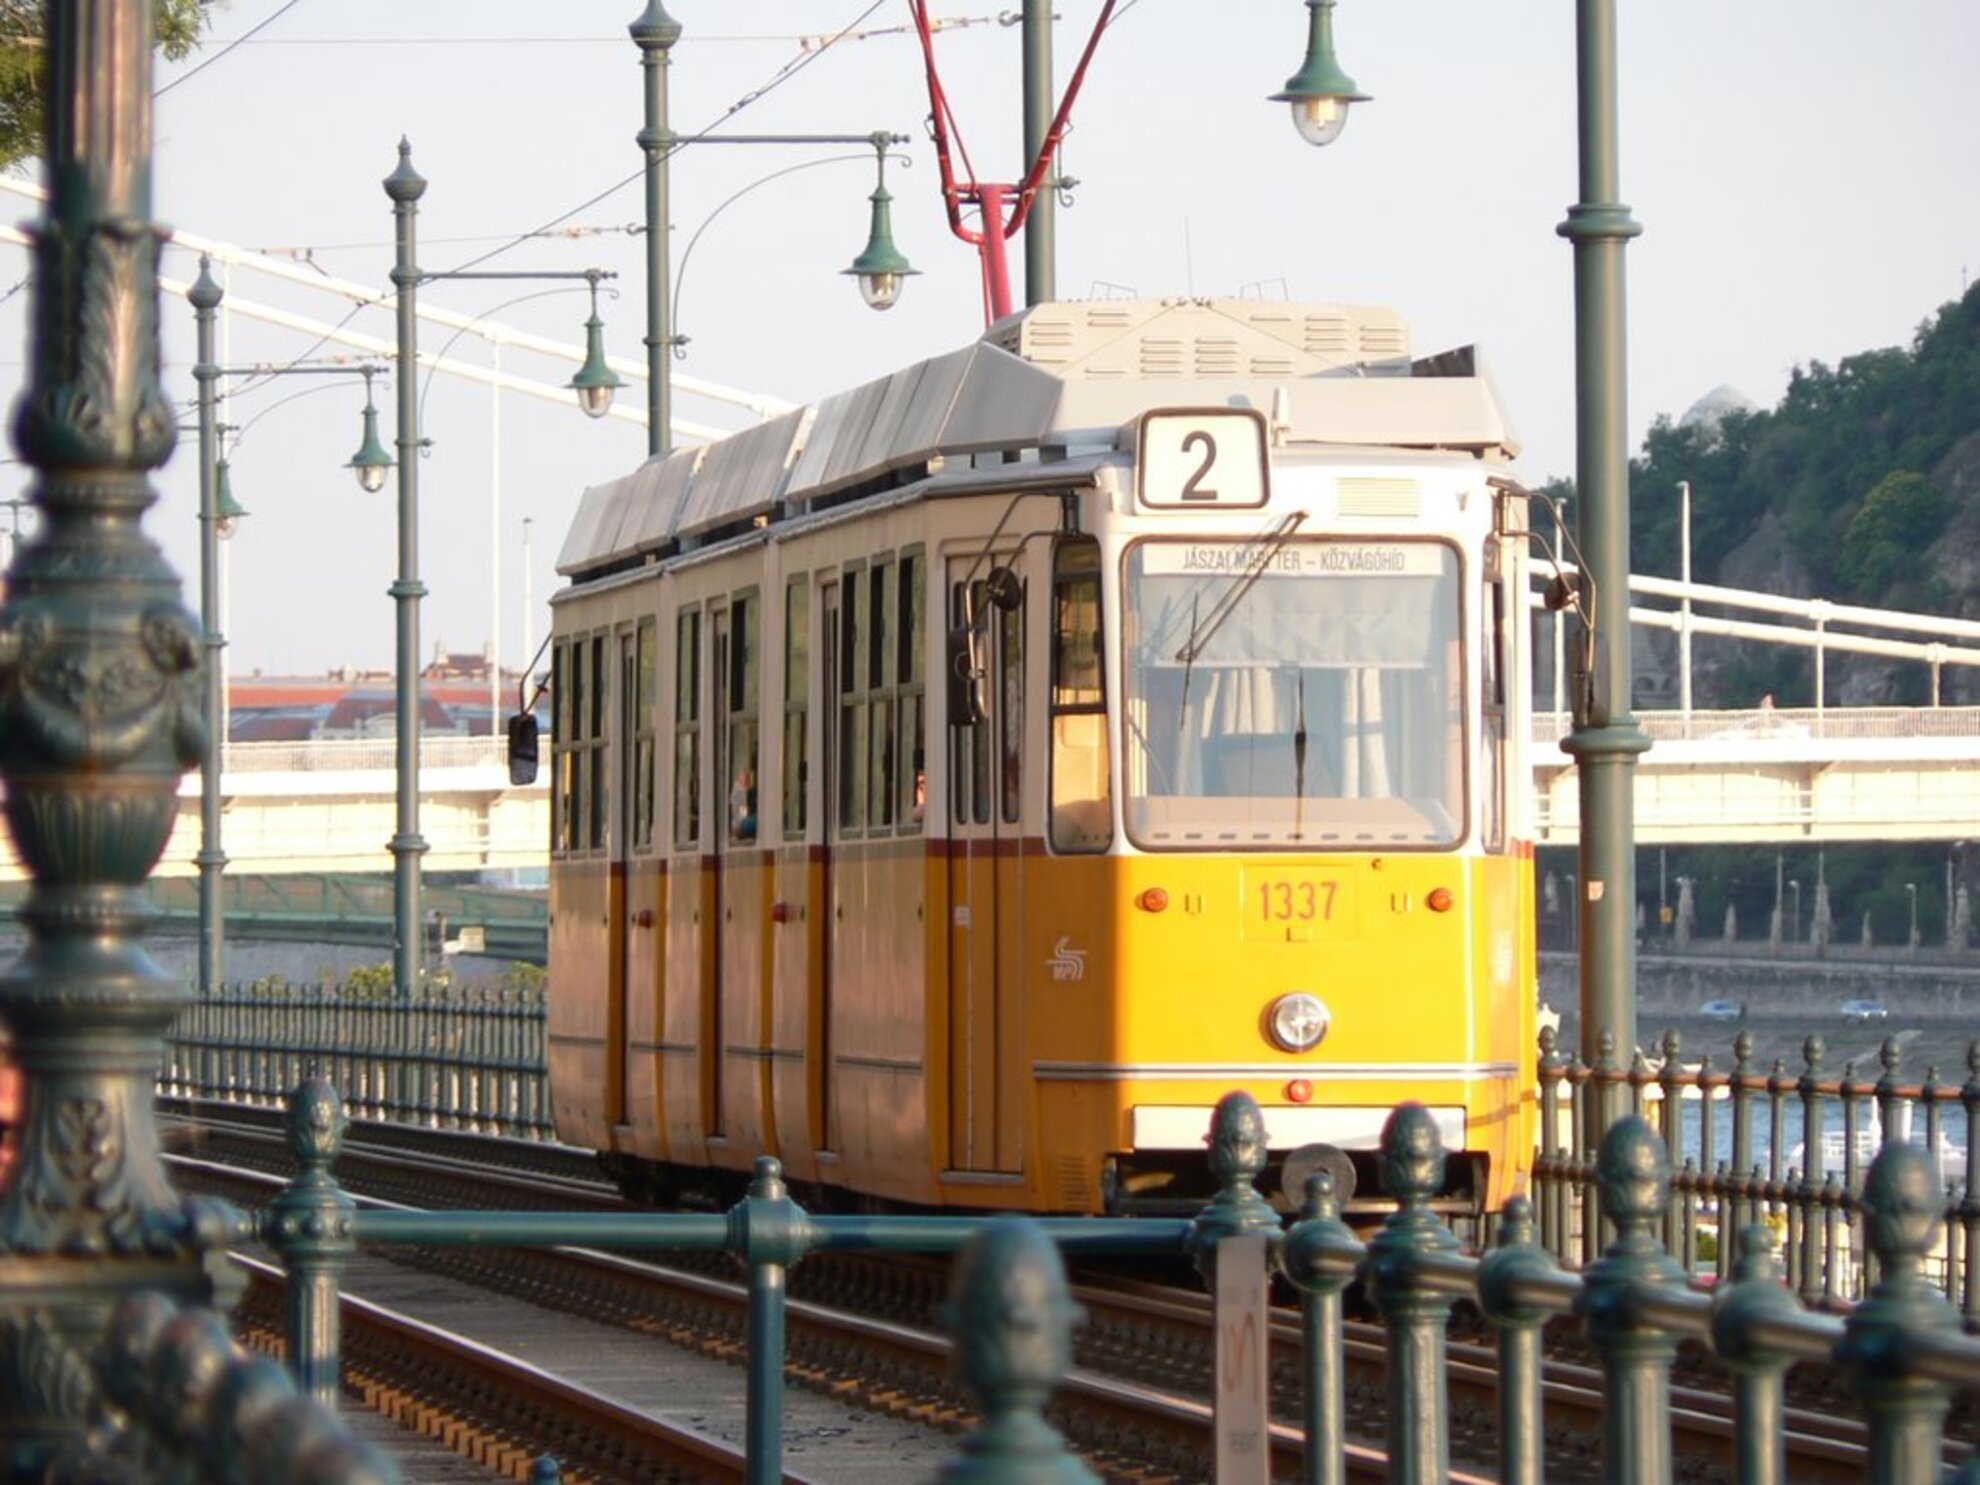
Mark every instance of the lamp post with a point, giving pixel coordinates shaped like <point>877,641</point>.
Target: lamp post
<point>595,384</point>
<point>218,514</point>
<point>1606,739</point>
<point>405,186</point>
<point>1041,230</point>
<point>98,724</point>
<point>1911,893</point>
<point>1955,930</point>
<point>655,33</point>
<point>205,295</point>
<point>880,268</point>
<point>1794,910</point>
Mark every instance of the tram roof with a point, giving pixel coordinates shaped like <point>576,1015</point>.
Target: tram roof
<point>1057,380</point>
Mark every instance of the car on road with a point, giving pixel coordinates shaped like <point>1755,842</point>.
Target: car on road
<point>1863,1012</point>
<point>1722,1010</point>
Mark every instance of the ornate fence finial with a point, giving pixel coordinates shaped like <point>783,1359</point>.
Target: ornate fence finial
<point>1238,1152</point>
<point>1633,1171</point>
<point>309,1223</point>
<point>1013,1319</point>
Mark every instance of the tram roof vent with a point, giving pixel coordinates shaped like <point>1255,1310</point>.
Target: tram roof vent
<point>629,516</point>
<point>743,476</point>
<point>970,400</point>
<point>1206,339</point>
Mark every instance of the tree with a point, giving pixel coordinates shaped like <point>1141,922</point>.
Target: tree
<point>23,54</point>
<point>1887,537</point>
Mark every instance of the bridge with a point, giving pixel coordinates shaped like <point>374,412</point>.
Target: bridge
<point>1757,776</point>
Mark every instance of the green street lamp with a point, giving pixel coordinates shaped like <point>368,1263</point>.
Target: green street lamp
<point>881,268</point>
<point>371,462</point>
<point>594,384</point>
<point>219,513</point>
<point>1320,92</point>
<point>227,511</point>
<point>595,381</point>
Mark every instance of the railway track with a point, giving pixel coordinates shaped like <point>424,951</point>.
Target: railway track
<point>862,1330</point>
<point>488,1407</point>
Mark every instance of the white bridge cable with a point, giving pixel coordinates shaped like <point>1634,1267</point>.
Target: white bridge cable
<point>759,405</point>
<point>374,348</point>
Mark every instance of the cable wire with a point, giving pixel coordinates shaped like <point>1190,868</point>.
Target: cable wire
<point>193,72</point>
<point>783,75</point>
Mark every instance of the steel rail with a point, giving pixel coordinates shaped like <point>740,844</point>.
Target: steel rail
<point>392,1357</point>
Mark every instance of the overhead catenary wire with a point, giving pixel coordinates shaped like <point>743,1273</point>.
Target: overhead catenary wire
<point>205,62</point>
<point>783,75</point>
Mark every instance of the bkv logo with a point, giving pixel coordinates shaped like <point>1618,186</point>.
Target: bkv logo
<point>1067,963</point>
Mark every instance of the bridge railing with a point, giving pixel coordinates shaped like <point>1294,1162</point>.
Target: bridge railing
<point>1737,1137</point>
<point>1902,1350</point>
<point>469,1057</point>
<point>364,755</point>
<point>1765,726</point>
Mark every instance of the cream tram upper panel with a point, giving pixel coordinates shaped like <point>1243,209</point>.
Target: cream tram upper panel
<point>1060,380</point>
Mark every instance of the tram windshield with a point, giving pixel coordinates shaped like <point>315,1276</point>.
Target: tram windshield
<point>1289,694</point>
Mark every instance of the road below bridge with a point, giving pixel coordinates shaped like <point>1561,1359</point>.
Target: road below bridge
<point>1932,1006</point>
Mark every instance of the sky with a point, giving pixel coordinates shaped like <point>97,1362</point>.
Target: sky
<point>1804,175</point>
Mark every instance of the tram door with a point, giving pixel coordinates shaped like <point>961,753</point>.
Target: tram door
<point>985,791</point>
<point>618,840</point>
<point>824,1108</point>
<point>715,1041</point>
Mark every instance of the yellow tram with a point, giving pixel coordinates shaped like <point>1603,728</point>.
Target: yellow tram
<point>961,784</point>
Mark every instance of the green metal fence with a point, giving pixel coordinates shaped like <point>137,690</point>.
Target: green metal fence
<point>1738,1139</point>
<point>1902,1346</point>
<point>473,1058</point>
<point>464,1057</point>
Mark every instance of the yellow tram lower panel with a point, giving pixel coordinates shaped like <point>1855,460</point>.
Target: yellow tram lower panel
<point>880,1033</point>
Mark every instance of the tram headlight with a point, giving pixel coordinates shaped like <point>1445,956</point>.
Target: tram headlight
<point>1297,1022</point>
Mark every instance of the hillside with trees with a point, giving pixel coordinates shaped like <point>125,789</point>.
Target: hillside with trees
<point>1867,476</point>
<point>1862,486</point>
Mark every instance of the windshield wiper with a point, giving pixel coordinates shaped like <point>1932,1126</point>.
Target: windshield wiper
<point>1189,663</point>
<point>1299,739</point>
<point>1299,754</point>
<point>1201,634</point>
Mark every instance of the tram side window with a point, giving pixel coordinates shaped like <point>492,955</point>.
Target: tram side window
<point>880,793</point>
<point>687,727</point>
<point>740,707</point>
<point>562,685</point>
<point>647,657</point>
<point>596,786</point>
<point>797,684</point>
<point>969,771</point>
<point>1081,787</point>
<point>911,662</point>
<point>1010,716</point>
<point>855,642</point>
<point>574,756</point>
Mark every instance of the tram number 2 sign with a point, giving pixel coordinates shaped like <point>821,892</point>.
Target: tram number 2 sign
<point>1202,459</point>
